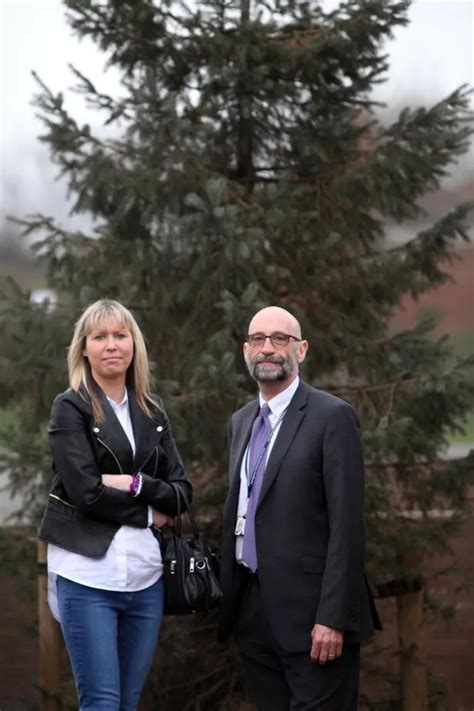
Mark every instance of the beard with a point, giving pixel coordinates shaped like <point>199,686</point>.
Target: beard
<point>260,369</point>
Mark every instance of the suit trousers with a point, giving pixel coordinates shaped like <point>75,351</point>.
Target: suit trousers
<point>283,681</point>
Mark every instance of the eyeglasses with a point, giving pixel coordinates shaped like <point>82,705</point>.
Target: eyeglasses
<point>278,340</point>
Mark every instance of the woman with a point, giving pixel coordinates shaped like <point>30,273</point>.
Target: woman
<point>113,458</point>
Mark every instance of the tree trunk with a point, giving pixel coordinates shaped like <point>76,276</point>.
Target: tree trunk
<point>49,642</point>
<point>245,168</point>
<point>414,687</point>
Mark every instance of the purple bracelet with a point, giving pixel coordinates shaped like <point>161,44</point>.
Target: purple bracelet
<point>136,484</point>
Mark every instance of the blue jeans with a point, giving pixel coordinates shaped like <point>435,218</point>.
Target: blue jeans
<point>110,638</point>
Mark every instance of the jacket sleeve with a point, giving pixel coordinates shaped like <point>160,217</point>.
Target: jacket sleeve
<point>343,474</point>
<point>158,493</point>
<point>76,466</point>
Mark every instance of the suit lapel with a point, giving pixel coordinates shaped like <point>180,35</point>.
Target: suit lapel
<point>240,439</point>
<point>285,436</point>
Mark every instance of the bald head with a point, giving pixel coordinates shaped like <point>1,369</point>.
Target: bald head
<point>272,319</point>
<point>272,363</point>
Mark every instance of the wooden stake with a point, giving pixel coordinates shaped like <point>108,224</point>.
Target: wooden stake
<point>413,679</point>
<point>50,641</point>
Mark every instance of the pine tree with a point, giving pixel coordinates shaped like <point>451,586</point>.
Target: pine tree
<point>244,165</point>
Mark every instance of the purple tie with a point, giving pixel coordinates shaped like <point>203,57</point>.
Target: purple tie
<point>261,432</point>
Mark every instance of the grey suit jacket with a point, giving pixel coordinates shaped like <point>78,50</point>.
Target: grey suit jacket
<point>309,523</point>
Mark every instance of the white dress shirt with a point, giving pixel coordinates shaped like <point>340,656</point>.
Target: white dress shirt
<point>278,406</point>
<point>133,559</point>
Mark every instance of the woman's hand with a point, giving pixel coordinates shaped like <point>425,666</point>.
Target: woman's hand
<point>118,481</point>
<point>161,519</point>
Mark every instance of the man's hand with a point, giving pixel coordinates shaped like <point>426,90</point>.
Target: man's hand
<point>326,644</point>
<point>117,481</point>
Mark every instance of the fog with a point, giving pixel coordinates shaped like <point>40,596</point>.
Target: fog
<point>428,59</point>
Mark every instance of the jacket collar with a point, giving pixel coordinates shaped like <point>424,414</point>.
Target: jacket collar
<point>147,432</point>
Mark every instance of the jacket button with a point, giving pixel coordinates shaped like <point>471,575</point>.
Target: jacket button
<point>159,428</point>
<point>96,430</point>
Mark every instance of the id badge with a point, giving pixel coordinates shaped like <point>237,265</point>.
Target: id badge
<point>240,526</point>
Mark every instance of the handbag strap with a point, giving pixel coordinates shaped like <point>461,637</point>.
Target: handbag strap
<point>187,508</point>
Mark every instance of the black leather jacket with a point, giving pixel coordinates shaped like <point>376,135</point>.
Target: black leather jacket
<point>83,515</point>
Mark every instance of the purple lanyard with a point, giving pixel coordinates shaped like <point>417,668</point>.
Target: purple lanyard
<point>251,480</point>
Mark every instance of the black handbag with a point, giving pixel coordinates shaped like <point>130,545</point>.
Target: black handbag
<point>190,569</point>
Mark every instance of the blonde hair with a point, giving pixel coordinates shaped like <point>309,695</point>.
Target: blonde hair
<point>80,374</point>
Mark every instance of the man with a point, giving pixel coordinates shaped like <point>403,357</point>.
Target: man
<point>292,562</point>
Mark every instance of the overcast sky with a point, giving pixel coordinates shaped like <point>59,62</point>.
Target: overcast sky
<point>430,58</point>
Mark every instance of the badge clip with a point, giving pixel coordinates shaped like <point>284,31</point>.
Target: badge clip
<point>240,526</point>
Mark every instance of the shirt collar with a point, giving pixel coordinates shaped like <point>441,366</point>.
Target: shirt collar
<point>280,402</point>
<point>123,402</point>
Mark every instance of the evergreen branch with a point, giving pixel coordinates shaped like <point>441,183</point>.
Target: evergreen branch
<point>90,17</point>
<point>410,158</point>
<point>64,133</point>
<point>367,388</point>
<point>404,379</point>
<point>99,100</point>
<point>446,230</point>
<point>57,237</point>
<point>422,462</point>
